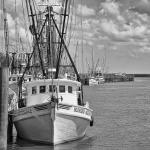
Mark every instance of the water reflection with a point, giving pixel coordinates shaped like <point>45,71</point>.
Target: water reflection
<point>84,143</point>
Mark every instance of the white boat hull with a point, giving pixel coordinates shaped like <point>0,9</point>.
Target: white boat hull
<point>67,128</point>
<point>42,126</point>
<point>96,81</point>
<point>93,82</point>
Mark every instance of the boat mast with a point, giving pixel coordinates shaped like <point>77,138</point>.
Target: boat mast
<point>82,39</point>
<point>36,37</point>
<point>61,43</point>
<point>92,69</point>
<point>6,34</point>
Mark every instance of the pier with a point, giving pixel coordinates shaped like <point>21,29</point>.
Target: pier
<point>109,77</point>
<point>3,105</point>
<point>118,77</point>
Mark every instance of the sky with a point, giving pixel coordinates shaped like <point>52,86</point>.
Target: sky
<point>115,32</point>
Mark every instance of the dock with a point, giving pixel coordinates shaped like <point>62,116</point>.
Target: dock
<point>109,77</point>
<point>118,77</point>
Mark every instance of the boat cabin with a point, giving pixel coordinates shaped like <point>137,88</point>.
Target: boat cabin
<point>16,78</point>
<point>41,91</point>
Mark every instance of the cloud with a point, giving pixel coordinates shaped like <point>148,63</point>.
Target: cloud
<point>142,17</point>
<point>145,49</point>
<point>85,11</point>
<point>122,33</point>
<point>111,8</point>
<point>142,6</point>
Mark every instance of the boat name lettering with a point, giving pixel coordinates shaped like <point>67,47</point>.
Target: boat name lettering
<point>88,113</point>
<point>82,111</point>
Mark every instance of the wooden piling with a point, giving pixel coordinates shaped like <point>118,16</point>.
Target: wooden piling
<point>3,105</point>
<point>10,128</point>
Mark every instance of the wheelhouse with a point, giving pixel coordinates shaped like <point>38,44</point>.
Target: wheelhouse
<point>41,91</point>
<point>16,78</point>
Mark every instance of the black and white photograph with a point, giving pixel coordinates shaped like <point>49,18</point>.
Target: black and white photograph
<point>74,74</point>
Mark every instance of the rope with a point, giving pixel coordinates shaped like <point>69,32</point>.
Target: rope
<point>26,27</point>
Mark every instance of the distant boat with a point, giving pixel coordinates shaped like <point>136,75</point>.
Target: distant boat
<point>95,75</point>
<point>100,79</point>
<point>96,80</point>
<point>16,77</point>
<point>93,81</point>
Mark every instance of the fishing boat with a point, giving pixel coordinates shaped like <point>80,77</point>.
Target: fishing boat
<point>96,80</point>
<point>93,81</point>
<point>53,118</point>
<point>51,109</point>
<point>95,73</point>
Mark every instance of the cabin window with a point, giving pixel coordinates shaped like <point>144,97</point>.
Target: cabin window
<point>13,79</point>
<point>9,79</point>
<point>62,89</point>
<point>69,89</point>
<point>52,88</point>
<point>42,89</point>
<point>34,90</point>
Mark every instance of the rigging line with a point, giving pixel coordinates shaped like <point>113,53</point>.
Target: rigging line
<point>50,46</point>
<point>36,38</point>
<point>16,28</point>
<point>66,27</point>
<point>75,19</point>
<point>6,39</point>
<point>69,22</point>
<point>36,6</point>
<point>27,6</point>
<point>27,35</point>
<point>82,36</point>
<point>21,79</point>
<point>63,42</point>
<point>33,1</point>
<point>60,26</point>
<point>76,53</point>
<point>1,14</point>
<point>62,35</point>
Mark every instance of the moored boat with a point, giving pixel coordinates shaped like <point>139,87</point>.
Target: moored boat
<point>51,108</point>
<point>53,120</point>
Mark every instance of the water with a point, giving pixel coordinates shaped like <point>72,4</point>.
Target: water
<point>121,115</point>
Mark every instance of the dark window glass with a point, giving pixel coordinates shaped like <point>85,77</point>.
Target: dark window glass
<point>52,88</point>
<point>14,79</point>
<point>62,89</point>
<point>69,89</point>
<point>34,90</point>
<point>42,89</point>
